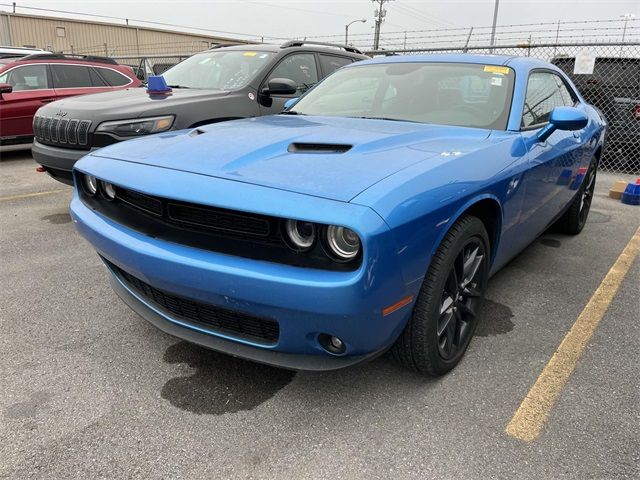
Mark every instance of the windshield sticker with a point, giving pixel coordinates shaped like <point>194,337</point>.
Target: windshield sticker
<point>496,81</point>
<point>250,54</point>
<point>496,69</point>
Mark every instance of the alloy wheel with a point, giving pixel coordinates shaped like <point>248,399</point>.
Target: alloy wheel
<point>587,195</point>
<point>460,299</point>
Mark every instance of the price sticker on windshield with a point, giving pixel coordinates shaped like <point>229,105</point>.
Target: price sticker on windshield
<point>496,69</point>
<point>250,54</point>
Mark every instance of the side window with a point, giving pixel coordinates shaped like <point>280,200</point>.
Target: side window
<point>299,67</point>
<point>567,97</point>
<point>330,63</point>
<point>112,77</point>
<point>70,76</point>
<point>29,77</point>
<point>96,80</point>
<point>545,91</point>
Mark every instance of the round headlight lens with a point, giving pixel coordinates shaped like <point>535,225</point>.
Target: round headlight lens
<point>91,184</point>
<point>301,234</point>
<point>343,242</point>
<point>109,190</point>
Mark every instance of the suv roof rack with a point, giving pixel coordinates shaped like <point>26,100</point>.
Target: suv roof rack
<point>59,56</point>
<point>221,45</point>
<point>299,43</point>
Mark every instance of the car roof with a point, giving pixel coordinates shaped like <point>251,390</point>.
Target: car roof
<point>267,47</point>
<point>12,62</point>
<point>511,60</point>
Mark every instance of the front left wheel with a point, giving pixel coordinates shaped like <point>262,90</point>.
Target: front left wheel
<point>445,315</point>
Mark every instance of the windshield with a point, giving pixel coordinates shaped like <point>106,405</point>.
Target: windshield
<point>218,70</point>
<point>441,93</point>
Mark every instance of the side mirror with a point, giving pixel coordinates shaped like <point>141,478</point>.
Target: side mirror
<point>5,88</point>
<point>280,86</point>
<point>290,103</point>
<point>563,118</point>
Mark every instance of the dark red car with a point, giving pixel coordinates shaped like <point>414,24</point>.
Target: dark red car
<point>28,83</point>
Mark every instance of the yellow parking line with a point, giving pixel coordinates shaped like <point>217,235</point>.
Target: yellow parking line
<point>534,410</point>
<point>36,194</point>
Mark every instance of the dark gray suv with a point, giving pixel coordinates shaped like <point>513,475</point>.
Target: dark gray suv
<point>223,83</point>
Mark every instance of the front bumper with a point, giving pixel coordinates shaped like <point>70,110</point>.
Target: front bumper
<point>57,161</point>
<point>305,302</point>
<point>172,326</point>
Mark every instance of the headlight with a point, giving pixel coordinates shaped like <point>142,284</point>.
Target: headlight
<point>109,190</point>
<point>301,234</point>
<point>343,242</point>
<point>90,184</point>
<point>139,126</point>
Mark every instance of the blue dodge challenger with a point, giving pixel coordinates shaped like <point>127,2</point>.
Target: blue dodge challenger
<point>366,217</point>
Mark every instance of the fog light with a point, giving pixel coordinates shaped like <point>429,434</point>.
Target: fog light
<point>109,190</point>
<point>332,344</point>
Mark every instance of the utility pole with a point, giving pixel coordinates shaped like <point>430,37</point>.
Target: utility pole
<point>379,13</point>
<point>627,17</point>
<point>495,21</point>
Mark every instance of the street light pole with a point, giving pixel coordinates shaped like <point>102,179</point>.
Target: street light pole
<point>346,29</point>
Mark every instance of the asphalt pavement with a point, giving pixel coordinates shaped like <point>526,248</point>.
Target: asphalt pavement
<point>90,390</point>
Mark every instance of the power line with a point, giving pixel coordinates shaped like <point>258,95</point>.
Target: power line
<point>414,12</point>
<point>295,8</point>
<point>132,19</point>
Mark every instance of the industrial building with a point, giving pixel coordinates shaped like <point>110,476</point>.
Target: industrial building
<point>98,38</point>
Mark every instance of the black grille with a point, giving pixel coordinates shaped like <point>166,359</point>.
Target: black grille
<point>218,219</point>
<point>55,122</point>
<point>139,200</point>
<point>62,131</point>
<point>72,132</point>
<point>231,232</point>
<point>44,126</point>
<point>201,216</point>
<point>83,131</point>
<point>203,314</point>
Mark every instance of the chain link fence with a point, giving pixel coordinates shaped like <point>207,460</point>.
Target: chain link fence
<point>145,66</point>
<point>613,87</point>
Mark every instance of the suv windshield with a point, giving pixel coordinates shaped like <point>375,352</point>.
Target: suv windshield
<point>217,70</point>
<point>441,93</point>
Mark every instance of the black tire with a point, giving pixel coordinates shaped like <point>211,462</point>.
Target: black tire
<point>574,219</point>
<point>422,346</point>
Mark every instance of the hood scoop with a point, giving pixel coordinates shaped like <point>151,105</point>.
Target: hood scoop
<point>301,147</point>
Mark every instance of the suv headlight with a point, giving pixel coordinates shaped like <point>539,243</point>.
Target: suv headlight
<point>139,126</point>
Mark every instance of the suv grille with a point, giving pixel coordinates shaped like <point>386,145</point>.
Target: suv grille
<point>71,133</point>
<point>203,314</point>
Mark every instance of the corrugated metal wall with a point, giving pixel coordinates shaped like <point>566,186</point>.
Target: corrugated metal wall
<point>75,36</point>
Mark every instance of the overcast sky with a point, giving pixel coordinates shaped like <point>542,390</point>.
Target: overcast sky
<point>298,18</point>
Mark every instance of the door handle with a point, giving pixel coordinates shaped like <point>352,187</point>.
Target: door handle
<point>47,100</point>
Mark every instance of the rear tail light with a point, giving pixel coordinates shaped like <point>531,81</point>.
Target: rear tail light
<point>636,111</point>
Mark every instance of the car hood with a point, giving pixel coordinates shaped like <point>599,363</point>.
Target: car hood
<point>127,103</point>
<point>289,152</point>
